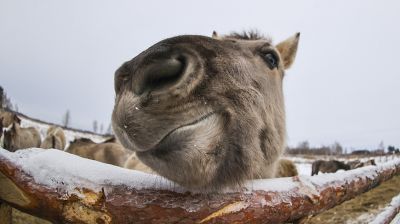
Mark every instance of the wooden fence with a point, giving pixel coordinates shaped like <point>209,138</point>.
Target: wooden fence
<point>64,188</point>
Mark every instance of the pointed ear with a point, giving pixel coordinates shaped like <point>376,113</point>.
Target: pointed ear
<point>16,119</point>
<point>287,49</point>
<point>215,35</point>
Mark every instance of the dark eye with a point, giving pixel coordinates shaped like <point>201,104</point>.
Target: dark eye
<point>271,59</point>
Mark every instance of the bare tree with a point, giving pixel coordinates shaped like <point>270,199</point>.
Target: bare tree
<point>66,119</point>
<point>5,101</point>
<point>95,126</point>
<point>1,97</point>
<point>109,130</point>
<point>381,146</point>
<point>101,128</point>
<point>336,148</point>
<point>304,145</point>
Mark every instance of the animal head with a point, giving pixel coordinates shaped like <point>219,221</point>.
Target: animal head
<point>8,118</point>
<point>10,137</point>
<point>372,162</point>
<point>205,112</point>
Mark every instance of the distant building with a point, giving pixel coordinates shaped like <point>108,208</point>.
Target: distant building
<point>360,152</point>
<point>379,152</point>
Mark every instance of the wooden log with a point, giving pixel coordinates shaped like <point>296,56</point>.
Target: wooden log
<point>64,188</point>
<point>389,213</point>
<point>5,213</point>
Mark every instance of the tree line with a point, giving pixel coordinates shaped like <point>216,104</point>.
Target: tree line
<point>337,149</point>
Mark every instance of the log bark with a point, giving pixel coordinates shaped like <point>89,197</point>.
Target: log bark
<point>5,213</point>
<point>261,201</point>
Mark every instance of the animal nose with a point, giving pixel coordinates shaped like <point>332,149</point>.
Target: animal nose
<point>159,74</point>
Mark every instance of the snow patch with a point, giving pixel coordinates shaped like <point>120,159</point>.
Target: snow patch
<point>57,169</point>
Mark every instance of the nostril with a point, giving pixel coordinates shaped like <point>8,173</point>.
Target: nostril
<point>159,74</point>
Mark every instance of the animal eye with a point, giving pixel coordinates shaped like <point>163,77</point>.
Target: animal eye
<point>271,60</point>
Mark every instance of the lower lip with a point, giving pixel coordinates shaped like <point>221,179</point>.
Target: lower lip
<point>158,146</point>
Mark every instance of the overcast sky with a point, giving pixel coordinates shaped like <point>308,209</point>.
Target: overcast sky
<point>344,85</point>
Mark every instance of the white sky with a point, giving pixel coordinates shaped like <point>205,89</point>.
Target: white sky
<point>344,85</point>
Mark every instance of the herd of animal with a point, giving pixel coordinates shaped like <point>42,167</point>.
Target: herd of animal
<point>110,151</point>
<point>15,137</point>
<point>332,166</point>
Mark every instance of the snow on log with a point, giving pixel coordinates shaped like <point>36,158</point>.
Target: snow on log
<point>389,213</point>
<point>65,188</point>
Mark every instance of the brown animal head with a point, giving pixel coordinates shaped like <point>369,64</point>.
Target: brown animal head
<point>8,118</point>
<point>20,138</point>
<point>205,112</point>
<point>11,138</point>
<point>371,162</point>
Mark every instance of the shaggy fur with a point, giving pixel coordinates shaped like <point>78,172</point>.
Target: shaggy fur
<point>205,112</point>
<point>110,153</point>
<point>286,168</point>
<point>328,166</point>
<point>55,139</point>
<point>21,138</point>
<point>247,35</point>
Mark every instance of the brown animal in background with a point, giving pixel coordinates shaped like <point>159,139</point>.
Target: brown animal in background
<point>207,113</point>
<point>354,164</point>
<point>1,132</point>
<point>55,139</point>
<point>328,166</point>
<point>8,118</point>
<point>110,153</point>
<point>21,138</point>
<point>357,163</point>
<point>134,163</point>
<point>286,168</point>
<point>370,162</point>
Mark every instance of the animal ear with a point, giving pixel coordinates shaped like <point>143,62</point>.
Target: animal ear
<point>215,35</point>
<point>287,49</point>
<point>17,119</point>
